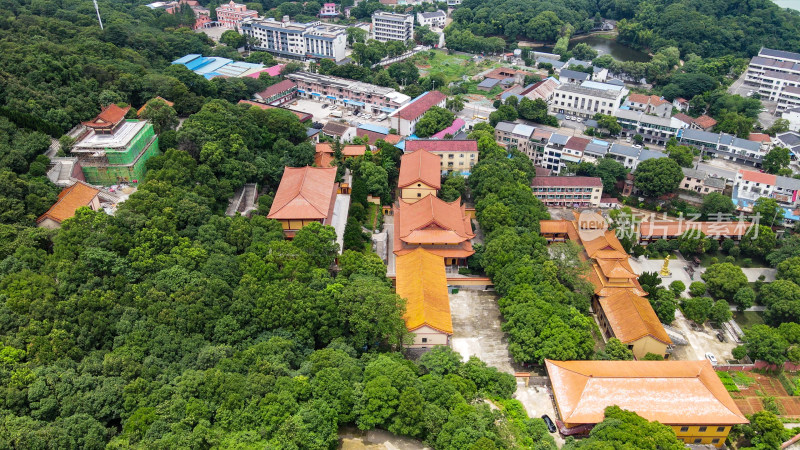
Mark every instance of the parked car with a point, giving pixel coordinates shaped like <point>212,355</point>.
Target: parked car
<point>551,427</point>
<point>324,105</point>
<point>712,358</point>
<point>721,336</point>
<point>628,139</point>
<point>579,120</point>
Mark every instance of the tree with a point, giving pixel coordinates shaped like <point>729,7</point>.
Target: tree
<point>697,288</point>
<point>723,280</point>
<point>505,113</point>
<point>354,237</point>
<point>356,35</point>
<point>544,27</point>
<point>765,343</point>
<point>233,39</point>
<point>744,298</point>
<point>656,177</point>
<point>778,158</point>
<point>584,52</point>
<point>608,123</point>
<point>454,104</point>
<point>626,429</point>
<point>677,287</point>
<point>735,123</point>
<point>358,263</point>
<point>682,154</point>
<point>319,242</point>
<point>789,269</point>
<point>453,187</point>
<point>758,241</point>
<point>765,430</point>
<point>433,121</point>
<point>161,115</point>
<point>768,211</point>
<point>717,204</point>
<point>404,73</point>
<point>779,126</point>
<point>693,242</point>
<point>720,312</point>
<point>615,350</point>
<point>697,309</point>
<point>663,302</point>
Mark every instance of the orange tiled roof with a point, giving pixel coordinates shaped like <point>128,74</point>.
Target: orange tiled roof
<point>422,166</point>
<point>69,200</point>
<point>616,268</point>
<point>673,229</point>
<point>645,99</point>
<point>705,122</point>
<point>141,110</point>
<point>671,392</point>
<point>304,193</point>
<point>109,116</point>
<point>608,241</point>
<point>758,177</point>
<point>759,137</point>
<point>422,281</point>
<point>347,150</point>
<point>441,228</point>
<point>631,317</point>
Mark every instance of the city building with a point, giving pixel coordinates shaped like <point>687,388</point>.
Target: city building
<point>699,181</point>
<point>305,195</point>
<point>630,318</point>
<point>687,396</point>
<point>790,140</point>
<point>214,66</point>
<point>456,127</point>
<point>574,192</point>
<point>775,75</point>
<point>405,119</point>
<point>375,132</point>
<point>653,129</point>
<point>751,185</point>
<point>704,123</point>
<point>437,226</point>
<point>348,93</point>
<point>232,14</point>
<point>69,200</point>
<point>763,139</point>
<point>458,155</point>
<point>277,94</point>
<point>587,99</point>
<point>313,40</point>
<point>725,146</point>
<point>324,155</point>
<point>432,19</point>
<point>550,158</point>
<point>113,150</point>
<point>340,131</point>
<point>421,280</point>
<point>453,3</point>
<point>518,135</point>
<point>649,104</point>
<point>419,175</point>
<point>630,157</point>
<point>572,76</point>
<point>328,11</point>
<point>793,116</point>
<point>541,90</point>
<point>388,26</point>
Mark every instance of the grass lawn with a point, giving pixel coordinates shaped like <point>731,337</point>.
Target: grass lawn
<point>741,261</point>
<point>453,67</point>
<point>372,215</point>
<point>748,318</point>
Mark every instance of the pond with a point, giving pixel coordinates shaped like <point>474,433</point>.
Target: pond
<point>606,45</point>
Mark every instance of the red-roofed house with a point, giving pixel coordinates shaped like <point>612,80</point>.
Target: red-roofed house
<point>439,227</point>
<point>704,123</point>
<point>568,191</point>
<point>405,119</point>
<point>681,104</point>
<point>764,139</point>
<point>278,93</point>
<point>69,200</point>
<point>456,155</point>
<point>649,104</point>
<point>573,149</point>
<point>419,176</point>
<point>305,195</point>
<point>108,120</point>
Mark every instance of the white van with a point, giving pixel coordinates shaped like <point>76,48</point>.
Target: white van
<point>335,114</point>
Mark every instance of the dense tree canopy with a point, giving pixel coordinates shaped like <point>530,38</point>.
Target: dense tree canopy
<point>658,176</point>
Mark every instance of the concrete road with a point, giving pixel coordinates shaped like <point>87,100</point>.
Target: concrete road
<point>339,220</point>
<point>537,402</point>
<point>388,226</point>
<point>701,341</point>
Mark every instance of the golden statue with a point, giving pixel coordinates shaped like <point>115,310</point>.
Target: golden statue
<point>665,270</point>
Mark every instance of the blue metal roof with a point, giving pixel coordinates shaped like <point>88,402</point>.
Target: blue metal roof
<point>374,128</point>
<point>184,60</point>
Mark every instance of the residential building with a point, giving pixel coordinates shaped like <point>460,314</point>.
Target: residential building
<point>458,155</point>
<point>348,93</point>
<point>69,200</point>
<point>422,281</point>
<point>405,119</point>
<point>328,11</point>
<point>488,84</point>
<point>790,140</point>
<point>775,75</point>
<point>213,66</point>
<point>419,175</point>
<point>541,90</point>
<point>453,3</point>
<point>375,132</point>
<point>572,76</point>
<point>652,231</point>
<point>340,131</point>
<point>599,74</point>
<point>725,146</point>
<point>687,396</point>
<point>793,116</point>
<point>550,158</point>
<point>763,139</point>
<point>437,226</point>
<point>232,14</point>
<point>388,26</point>
<point>312,40</point>
<point>305,195</point>
<point>456,127</point>
<point>630,318</point>
<point>649,104</point>
<point>587,99</point>
<point>576,192</point>
<point>520,136</point>
<point>277,94</point>
<point>553,61</point>
<point>704,123</point>
<point>700,182</point>
<point>751,185</point>
<point>653,129</point>
<point>630,157</point>
<point>432,19</point>
<point>113,150</point>
<point>681,104</point>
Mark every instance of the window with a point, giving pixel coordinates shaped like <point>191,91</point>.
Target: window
<point>698,441</point>
<point>684,429</point>
<point>715,441</point>
<point>419,195</point>
<point>703,429</point>
<point>424,340</point>
<point>720,429</point>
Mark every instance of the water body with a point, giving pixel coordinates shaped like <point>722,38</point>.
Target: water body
<point>793,4</point>
<point>605,45</point>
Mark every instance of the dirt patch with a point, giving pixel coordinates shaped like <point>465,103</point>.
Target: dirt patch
<point>423,66</point>
<point>749,399</point>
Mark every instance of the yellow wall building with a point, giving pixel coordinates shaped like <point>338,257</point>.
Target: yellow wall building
<point>419,176</point>
<point>458,155</point>
<point>685,395</point>
<point>422,281</point>
<point>305,195</point>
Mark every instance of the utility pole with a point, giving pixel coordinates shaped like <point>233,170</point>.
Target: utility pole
<point>98,13</point>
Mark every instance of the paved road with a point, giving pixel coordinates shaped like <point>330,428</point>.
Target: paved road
<point>388,225</point>
<point>752,308</point>
<point>339,220</point>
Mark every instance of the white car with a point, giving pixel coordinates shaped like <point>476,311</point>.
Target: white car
<point>628,139</point>
<point>710,357</point>
<point>569,117</point>
<point>579,120</point>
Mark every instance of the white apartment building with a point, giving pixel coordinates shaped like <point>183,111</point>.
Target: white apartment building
<point>654,129</point>
<point>751,185</point>
<point>699,181</point>
<point>388,26</point>
<point>775,75</point>
<point>432,19</point>
<point>348,93</point>
<point>297,40</point>
<point>587,99</point>
<point>453,3</point>
<point>793,116</point>
<point>726,146</point>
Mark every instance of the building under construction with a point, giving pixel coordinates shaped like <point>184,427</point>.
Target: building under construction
<point>113,150</point>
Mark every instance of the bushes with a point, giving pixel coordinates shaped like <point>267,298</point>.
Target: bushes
<point>728,382</point>
<point>697,288</point>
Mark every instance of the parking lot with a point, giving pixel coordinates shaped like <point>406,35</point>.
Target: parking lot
<point>537,402</point>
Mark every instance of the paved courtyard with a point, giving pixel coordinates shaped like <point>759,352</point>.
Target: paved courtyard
<point>476,328</point>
